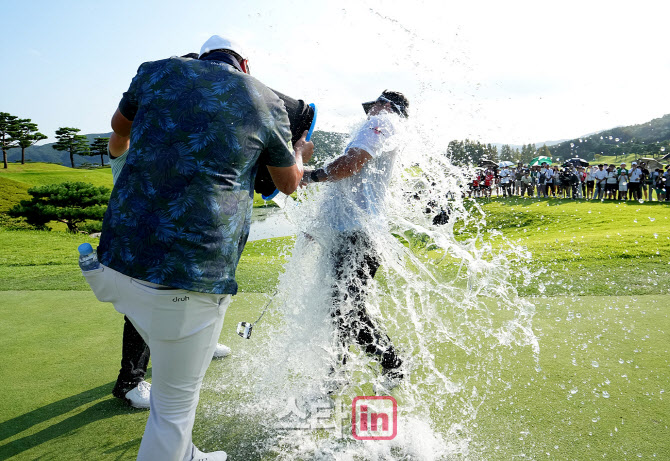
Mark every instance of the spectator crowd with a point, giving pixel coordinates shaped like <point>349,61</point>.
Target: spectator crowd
<point>601,182</point>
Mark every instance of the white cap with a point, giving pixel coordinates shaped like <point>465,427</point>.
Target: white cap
<point>216,42</point>
<point>634,163</point>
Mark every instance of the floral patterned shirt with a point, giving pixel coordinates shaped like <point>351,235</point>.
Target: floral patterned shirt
<point>180,212</point>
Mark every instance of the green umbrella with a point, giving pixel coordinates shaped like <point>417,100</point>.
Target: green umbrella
<point>540,161</point>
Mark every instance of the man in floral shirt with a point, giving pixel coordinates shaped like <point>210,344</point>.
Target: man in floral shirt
<point>179,217</point>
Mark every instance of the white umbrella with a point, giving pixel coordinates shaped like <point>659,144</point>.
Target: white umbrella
<point>505,163</point>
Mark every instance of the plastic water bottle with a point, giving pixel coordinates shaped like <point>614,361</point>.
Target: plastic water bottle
<point>88,259</point>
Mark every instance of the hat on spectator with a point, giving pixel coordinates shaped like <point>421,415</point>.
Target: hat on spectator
<point>634,163</point>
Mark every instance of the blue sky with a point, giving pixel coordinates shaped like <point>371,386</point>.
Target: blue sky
<point>512,71</point>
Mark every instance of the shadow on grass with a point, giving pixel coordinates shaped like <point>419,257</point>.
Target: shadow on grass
<point>101,410</point>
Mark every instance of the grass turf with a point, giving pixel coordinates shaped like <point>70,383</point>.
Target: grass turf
<point>600,392</point>
<point>17,179</point>
<point>39,260</point>
<point>587,247</point>
<point>58,371</point>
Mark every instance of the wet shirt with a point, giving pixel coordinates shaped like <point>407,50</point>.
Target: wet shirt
<point>358,201</point>
<point>180,211</point>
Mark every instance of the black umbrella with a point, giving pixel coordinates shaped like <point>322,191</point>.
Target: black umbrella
<point>576,162</point>
<point>486,163</point>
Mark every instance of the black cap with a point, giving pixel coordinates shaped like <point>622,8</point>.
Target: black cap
<point>398,101</point>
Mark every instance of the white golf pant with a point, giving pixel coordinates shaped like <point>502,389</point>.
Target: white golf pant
<point>182,329</point>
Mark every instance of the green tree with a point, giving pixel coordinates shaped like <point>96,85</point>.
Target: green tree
<point>456,153</point>
<point>71,203</point>
<point>99,147</point>
<point>471,152</point>
<point>492,153</point>
<point>506,153</point>
<point>26,135</point>
<point>8,124</point>
<point>70,141</point>
<point>543,151</point>
<point>528,153</point>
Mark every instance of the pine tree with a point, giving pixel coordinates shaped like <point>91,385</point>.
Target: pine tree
<point>26,135</point>
<point>8,124</point>
<point>544,151</point>
<point>506,153</point>
<point>99,147</point>
<point>71,203</point>
<point>70,141</point>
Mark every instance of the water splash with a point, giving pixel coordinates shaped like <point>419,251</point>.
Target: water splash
<point>446,296</point>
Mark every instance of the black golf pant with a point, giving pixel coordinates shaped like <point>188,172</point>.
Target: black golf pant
<point>134,360</point>
<point>355,263</point>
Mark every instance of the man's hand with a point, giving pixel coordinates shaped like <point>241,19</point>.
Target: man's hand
<point>287,179</point>
<point>304,148</point>
<point>306,177</point>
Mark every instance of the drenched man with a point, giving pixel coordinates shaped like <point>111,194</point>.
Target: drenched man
<point>354,212</point>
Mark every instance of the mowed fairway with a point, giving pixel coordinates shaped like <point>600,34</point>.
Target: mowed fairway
<point>17,179</point>
<point>602,323</point>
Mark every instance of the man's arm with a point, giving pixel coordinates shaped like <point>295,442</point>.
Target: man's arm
<point>342,167</point>
<point>121,125</point>
<point>118,145</point>
<point>287,179</point>
<point>119,141</point>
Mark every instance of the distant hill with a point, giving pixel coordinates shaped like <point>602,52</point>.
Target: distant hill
<point>499,145</point>
<point>326,144</point>
<point>650,139</point>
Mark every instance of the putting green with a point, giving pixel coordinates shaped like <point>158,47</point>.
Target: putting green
<point>600,391</point>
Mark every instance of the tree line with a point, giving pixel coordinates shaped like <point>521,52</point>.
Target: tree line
<point>469,152</point>
<point>21,133</point>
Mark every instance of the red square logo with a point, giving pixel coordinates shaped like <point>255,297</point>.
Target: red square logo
<point>374,418</point>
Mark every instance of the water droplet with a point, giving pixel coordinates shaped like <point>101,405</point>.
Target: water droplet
<point>606,394</point>
<point>594,364</point>
<point>574,390</point>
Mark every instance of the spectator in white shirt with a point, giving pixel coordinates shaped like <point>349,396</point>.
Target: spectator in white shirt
<point>635,177</point>
<point>612,182</point>
<point>505,177</point>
